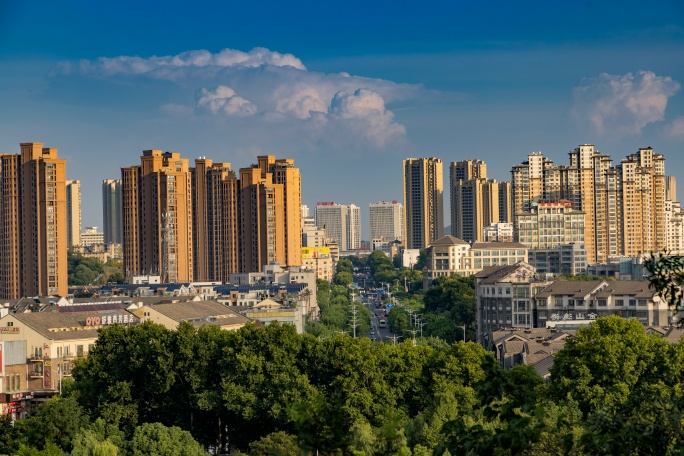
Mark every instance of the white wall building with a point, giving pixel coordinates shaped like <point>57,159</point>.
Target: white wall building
<point>341,222</point>
<point>73,201</point>
<point>386,221</point>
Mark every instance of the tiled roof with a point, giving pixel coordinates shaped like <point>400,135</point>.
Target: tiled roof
<point>575,288</point>
<point>60,326</point>
<point>544,365</point>
<point>636,288</point>
<point>200,311</point>
<point>498,245</point>
<point>448,240</point>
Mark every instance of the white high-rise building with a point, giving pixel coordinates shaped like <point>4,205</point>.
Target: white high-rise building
<point>341,222</point>
<point>111,211</point>
<point>386,221</point>
<point>73,202</point>
<point>674,226</point>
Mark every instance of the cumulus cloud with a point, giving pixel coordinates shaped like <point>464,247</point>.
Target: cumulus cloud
<point>675,129</point>
<point>223,100</point>
<point>623,104</point>
<point>329,107</point>
<point>197,58</point>
<point>365,112</point>
<point>302,102</point>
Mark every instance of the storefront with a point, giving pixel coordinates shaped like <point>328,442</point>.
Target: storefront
<point>15,405</point>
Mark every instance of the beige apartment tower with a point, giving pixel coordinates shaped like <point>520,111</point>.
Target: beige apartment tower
<point>475,200</point>
<point>73,202</point>
<point>423,201</point>
<point>270,214</point>
<point>157,217</point>
<point>215,218</point>
<point>623,205</point>
<point>33,231</point>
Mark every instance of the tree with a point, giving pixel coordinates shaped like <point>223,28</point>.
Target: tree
<point>343,278</point>
<point>155,439</point>
<point>101,439</point>
<point>56,422</point>
<point>612,364</point>
<point>275,444</point>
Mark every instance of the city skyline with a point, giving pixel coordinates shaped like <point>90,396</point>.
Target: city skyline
<point>357,87</point>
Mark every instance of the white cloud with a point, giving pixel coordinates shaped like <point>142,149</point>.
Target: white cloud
<point>223,100</point>
<point>621,105</point>
<point>365,114</point>
<point>198,58</point>
<point>302,102</point>
<point>330,108</point>
<point>676,128</point>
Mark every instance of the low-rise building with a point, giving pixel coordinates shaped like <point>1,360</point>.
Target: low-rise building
<point>320,260</point>
<point>197,313</point>
<point>504,298</point>
<point>39,348</point>
<point>450,256</point>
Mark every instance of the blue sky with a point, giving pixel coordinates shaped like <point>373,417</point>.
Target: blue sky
<point>346,89</point>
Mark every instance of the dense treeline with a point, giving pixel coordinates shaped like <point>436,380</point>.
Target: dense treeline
<point>259,391</point>
<point>91,271</point>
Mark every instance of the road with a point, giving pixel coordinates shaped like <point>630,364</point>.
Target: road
<point>380,334</point>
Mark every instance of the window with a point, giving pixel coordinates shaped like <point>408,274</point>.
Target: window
<point>79,350</point>
<point>602,302</point>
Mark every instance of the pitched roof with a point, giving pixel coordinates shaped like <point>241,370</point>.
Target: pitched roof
<point>636,288</point>
<point>449,240</point>
<point>202,312</point>
<point>66,326</point>
<point>497,275</point>
<point>543,366</point>
<point>574,288</point>
<point>498,245</point>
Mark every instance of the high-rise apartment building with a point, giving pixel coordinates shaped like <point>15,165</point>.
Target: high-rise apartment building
<point>423,201</point>
<point>342,223</point>
<point>112,220</point>
<point>73,203</point>
<point>215,218</point>
<point>623,205</point>
<point>550,224</point>
<point>671,188</point>
<point>386,221</point>
<point>475,199</point>
<point>33,227</point>
<point>157,217</point>
<point>642,191</point>
<point>270,205</point>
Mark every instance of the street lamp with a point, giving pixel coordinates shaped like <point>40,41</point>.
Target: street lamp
<point>463,327</point>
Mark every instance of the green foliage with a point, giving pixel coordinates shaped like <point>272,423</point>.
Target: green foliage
<point>275,444</point>
<point>611,365</point>
<point>345,265</point>
<point>155,439</point>
<point>56,422</point>
<point>91,271</point>
<point>343,278</point>
<point>269,391</point>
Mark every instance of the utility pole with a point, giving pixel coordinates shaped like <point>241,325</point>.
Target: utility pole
<point>354,324</point>
<point>414,331</point>
<point>395,338</point>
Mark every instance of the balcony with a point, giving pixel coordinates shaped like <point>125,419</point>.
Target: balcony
<point>36,359</point>
<point>36,374</point>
